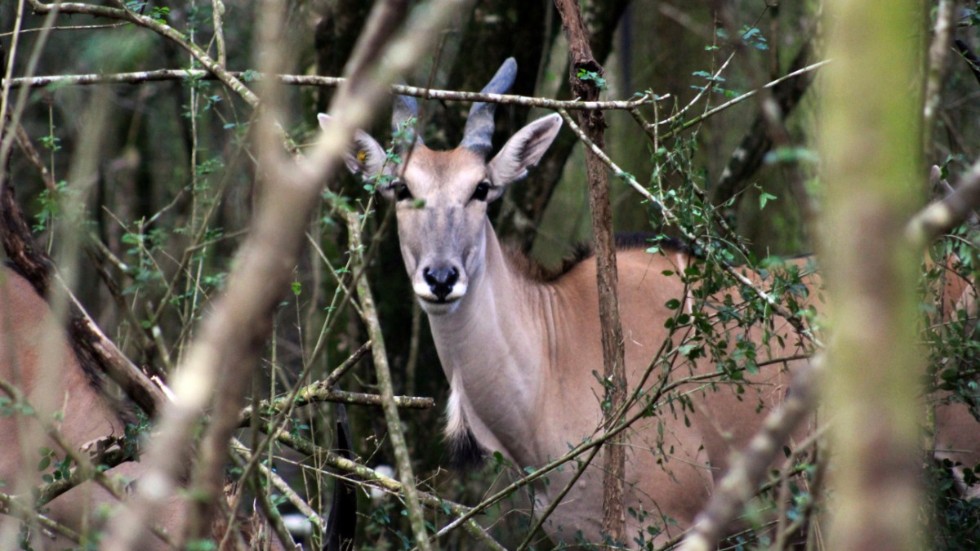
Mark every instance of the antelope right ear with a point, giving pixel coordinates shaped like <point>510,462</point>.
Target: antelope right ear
<point>366,157</point>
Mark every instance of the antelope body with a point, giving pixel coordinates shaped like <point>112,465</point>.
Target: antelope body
<point>521,353</point>
<point>36,359</point>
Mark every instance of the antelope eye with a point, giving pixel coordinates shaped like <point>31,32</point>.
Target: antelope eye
<point>401,191</point>
<point>481,191</point>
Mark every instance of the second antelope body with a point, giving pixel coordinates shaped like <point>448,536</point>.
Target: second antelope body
<point>520,352</point>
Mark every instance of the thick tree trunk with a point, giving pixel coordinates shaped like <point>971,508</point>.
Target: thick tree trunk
<point>870,143</point>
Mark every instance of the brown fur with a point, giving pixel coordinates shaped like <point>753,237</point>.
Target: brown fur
<point>36,358</point>
<point>537,272</point>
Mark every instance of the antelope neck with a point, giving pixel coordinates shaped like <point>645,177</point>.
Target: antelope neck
<point>491,349</point>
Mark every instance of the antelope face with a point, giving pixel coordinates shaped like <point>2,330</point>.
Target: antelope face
<point>441,204</point>
<point>441,197</point>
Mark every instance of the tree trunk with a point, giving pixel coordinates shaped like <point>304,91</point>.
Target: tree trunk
<point>614,372</point>
<point>870,143</point>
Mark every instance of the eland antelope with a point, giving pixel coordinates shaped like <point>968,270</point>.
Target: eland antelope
<point>36,359</point>
<point>521,351</point>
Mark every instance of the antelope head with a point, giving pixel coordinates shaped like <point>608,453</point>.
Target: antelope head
<point>441,197</point>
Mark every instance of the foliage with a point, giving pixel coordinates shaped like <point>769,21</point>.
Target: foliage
<point>163,231</point>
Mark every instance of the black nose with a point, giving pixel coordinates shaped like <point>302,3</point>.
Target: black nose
<point>441,280</point>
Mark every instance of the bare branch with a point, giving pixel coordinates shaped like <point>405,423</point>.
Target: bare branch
<point>320,392</point>
<point>139,77</point>
<point>739,99</point>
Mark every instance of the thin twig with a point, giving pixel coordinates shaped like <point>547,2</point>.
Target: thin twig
<point>140,77</point>
<point>718,109</point>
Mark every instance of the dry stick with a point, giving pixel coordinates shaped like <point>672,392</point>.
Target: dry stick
<point>614,369</point>
<point>750,466</point>
<point>217,14</point>
<point>264,264</point>
<point>90,338</point>
<point>947,213</point>
<point>395,430</point>
<point>139,77</point>
<point>316,393</point>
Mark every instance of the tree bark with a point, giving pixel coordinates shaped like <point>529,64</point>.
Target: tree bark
<point>614,371</point>
<point>871,145</point>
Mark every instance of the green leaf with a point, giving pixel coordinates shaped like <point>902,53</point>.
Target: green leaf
<point>765,198</point>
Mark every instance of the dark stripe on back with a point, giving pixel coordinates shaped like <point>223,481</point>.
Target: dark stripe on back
<point>583,251</point>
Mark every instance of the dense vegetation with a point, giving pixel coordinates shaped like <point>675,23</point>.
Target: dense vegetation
<point>141,181</point>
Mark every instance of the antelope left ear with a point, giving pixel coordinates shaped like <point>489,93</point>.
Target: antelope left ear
<point>366,156</point>
<point>523,150</point>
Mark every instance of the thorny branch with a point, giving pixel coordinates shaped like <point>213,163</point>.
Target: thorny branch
<point>160,28</point>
